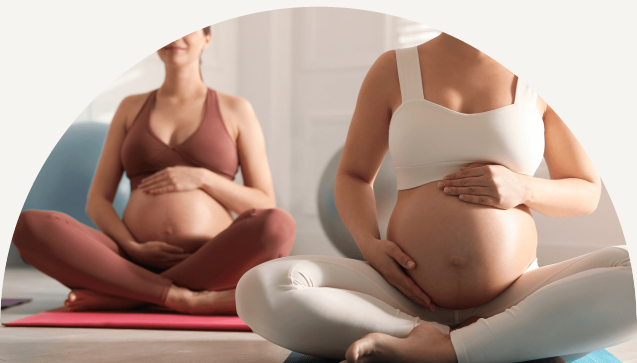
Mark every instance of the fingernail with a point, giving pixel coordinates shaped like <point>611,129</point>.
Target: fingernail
<point>441,184</point>
<point>462,197</point>
<point>445,178</point>
<point>447,190</point>
<point>410,264</point>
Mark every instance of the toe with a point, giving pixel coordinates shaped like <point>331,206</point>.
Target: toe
<point>353,352</point>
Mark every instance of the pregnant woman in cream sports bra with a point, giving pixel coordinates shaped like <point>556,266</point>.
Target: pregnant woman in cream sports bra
<point>177,245</point>
<point>457,278</point>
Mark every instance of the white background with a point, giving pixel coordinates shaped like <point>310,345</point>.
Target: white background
<point>58,57</point>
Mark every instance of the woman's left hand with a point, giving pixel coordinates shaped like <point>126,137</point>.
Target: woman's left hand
<point>486,184</point>
<point>173,179</point>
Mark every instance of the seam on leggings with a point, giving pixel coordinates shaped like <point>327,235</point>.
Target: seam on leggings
<point>402,307</point>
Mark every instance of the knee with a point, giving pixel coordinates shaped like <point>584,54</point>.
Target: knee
<point>278,231</point>
<point>624,258</point>
<point>30,225</point>
<point>248,293</point>
<point>260,297</point>
<point>616,256</point>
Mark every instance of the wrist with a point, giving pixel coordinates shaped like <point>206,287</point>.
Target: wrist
<point>364,243</point>
<point>205,178</point>
<point>129,247</point>
<point>528,191</point>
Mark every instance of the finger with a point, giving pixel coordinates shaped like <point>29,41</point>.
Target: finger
<point>474,165</point>
<point>401,257</point>
<point>172,248</point>
<point>162,187</point>
<point>463,182</point>
<point>413,297</point>
<point>160,183</point>
<point>165,174</point>
<point>478,199</point>
<point>407,286</point>
<point>158,175</point>
<point>180,257</point>
<point>467,190</point>
<point>163,190</point>
<point>415,290</point>
<point>172,257</point>
<point>477,171</point>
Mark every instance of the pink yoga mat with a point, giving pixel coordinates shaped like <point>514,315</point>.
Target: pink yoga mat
<point>132,320</point>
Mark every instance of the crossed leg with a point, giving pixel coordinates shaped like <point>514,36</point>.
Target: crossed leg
<point>568,309</point>
<point>97,269</point>
<point>333,307</point>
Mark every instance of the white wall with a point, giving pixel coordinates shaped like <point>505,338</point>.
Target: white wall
<point>301,69</point>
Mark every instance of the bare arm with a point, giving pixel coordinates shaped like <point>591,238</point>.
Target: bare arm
<point>257,191</point>
<point>363,154</point>
<point>365,148</point>
<point>575,187</point>
<point>573,190</point>
<point>99,206</point>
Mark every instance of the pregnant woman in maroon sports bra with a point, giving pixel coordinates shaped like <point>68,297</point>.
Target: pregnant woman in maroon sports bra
<point>177,245</point>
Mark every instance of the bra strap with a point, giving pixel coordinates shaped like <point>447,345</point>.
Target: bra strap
<point>409,74</point>
<point>525,94</point>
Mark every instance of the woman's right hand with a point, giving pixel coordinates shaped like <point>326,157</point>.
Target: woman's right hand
<point>387,258</point>
<point>157,254</point>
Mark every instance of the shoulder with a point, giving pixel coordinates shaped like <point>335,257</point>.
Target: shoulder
<point>128,109</point>
<point>385,66</point>
<point>381,88</point>
<point>237,108</point>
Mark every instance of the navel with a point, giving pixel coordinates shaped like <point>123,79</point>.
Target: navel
<point>459,261</point>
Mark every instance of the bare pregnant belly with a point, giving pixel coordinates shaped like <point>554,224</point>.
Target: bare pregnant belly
<point>466,254</point>
<point>186,219</point>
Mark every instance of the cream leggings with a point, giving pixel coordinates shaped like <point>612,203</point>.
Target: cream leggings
<point>320,305</point>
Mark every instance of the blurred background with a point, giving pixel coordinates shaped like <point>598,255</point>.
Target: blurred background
<point>301,69</point>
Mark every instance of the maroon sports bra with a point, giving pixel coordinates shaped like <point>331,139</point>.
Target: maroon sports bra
<point>210,147</point>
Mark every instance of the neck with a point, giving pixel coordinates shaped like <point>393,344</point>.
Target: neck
<point>183,82</point>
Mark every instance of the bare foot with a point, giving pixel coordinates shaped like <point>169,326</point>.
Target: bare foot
<point>424,344</point>
<point>88,300</point>
<point>201,302</point>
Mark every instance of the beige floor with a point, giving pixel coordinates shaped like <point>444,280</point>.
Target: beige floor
<point>70,345</point>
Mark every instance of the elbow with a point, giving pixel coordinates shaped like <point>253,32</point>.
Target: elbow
<point>593,199</point>
<point>90,207</point>
<point>270,203</point>
<point>93,205</point>
<point>588,209</point>
<point>346,182</point>
<point>339,186</point>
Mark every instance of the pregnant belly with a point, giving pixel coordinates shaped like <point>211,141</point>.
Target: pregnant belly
<point>466,254</point>
<point>186,219</point>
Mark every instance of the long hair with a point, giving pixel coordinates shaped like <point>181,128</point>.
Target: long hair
<point>206,32</point>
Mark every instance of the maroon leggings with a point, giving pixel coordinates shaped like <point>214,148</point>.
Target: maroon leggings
<point>81,257</point>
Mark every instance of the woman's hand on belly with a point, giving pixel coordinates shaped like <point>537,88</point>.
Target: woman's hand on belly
<point>387,258</point>
<point>157,254</point>
<point>487,184</point>
<point>173,179</point>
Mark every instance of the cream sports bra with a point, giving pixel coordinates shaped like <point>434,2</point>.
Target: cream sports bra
<point>428,141</point>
